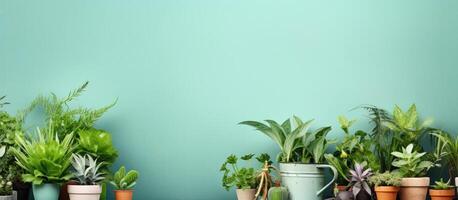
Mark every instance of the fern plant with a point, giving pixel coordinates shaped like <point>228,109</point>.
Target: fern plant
<point>66,120</point>
<point>87,170</point>
<point>124,181</point>
<point>45,158</point>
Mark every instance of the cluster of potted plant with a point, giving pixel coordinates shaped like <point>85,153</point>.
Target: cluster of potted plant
<point>66,159</point>
<point>387,162</point>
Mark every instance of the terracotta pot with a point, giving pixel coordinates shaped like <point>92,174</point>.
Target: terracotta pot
<point>442,194</point>
<point>124,194</point>
<point>246,194</point>
<point>386,192</point>
<point>341,188</point>
<point>414,188</point>
<point>84,192</point>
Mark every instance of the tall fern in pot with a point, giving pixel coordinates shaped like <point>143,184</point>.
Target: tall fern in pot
<point>301,155</point>
<point>45,160</point>
<point>87,175</point>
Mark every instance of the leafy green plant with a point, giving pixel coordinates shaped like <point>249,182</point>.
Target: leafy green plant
<point>45,158</point>
<point>242,177</point>
<point>86,170</point>
<point>98,144</point>
<point>392,132</point>
<point>385,179</point>
<point>451,149</point>
<point>296,143</point>
<point>124,181</point>
<point>410,162</point>
<point>442,185</point>
<point>66,120</point>
<point>6,185</point>
<point>407,125</point>
<point>359,179</point>
<point>354,148</point>
<point>9,128</point>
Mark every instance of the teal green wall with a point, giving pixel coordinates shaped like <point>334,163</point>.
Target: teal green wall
<point>186,72</point>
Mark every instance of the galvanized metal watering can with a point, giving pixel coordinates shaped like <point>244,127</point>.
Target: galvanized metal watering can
<point>305,181</point>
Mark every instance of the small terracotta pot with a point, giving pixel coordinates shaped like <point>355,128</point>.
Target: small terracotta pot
<point>442,194</point>
<point>341,188</point>
<point>124,194</point>
<point>386,192</point>
<point>246,194</point>
<point>414,188</point>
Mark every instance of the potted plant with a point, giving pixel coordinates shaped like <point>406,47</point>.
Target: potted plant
<point>301,156</point>
<point>391,132</point>
<point>243,178</point>
<point>67,119</point>
<point>451,147</point>
<point>386,185</point>
<point>124,183</point>
<point>442,191</point>
<point>359,182</point>
<point>354,148</point>
<point>413,167</point>
<point>9,128</point>
<point>45,160</point>
<point>88,177</point>
<point>6,188</point>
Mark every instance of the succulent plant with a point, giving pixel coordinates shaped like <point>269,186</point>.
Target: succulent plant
<point>442,185</point>
<point>359,179</point>
<point>123,180</point>
<point>86,170</point>
<point>385,179</point>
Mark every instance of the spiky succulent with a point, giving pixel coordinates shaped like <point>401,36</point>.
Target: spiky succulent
<point>359,179</point>
<point>86,170</point>
<point>123,180</point>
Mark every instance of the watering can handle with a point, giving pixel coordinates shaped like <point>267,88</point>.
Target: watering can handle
<point>334,171</point>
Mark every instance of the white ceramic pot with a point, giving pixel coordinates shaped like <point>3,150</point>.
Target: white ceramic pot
<point>84,192</point>
<point>246,194</point>
<point>456,182</point>
<point>414,188</point>
<point>9,197</point>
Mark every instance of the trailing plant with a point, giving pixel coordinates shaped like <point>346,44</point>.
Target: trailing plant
<point>242,177</point>
<point>97,144</point>
<point>296,143</point>
<point>6,185</point>
<point>359,179</point>
<point>385,179</point>
<point>44,158</point>
<point>66,120</point>
<point>354,148</point>
<point>410,163</point>
<point>86,170</point>
<point>124,181</point>
<point>442,185</point>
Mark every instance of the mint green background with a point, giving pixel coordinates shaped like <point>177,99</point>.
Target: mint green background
<point>186,72</point>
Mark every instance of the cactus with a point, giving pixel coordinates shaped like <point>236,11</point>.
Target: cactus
<point>278,192</point>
